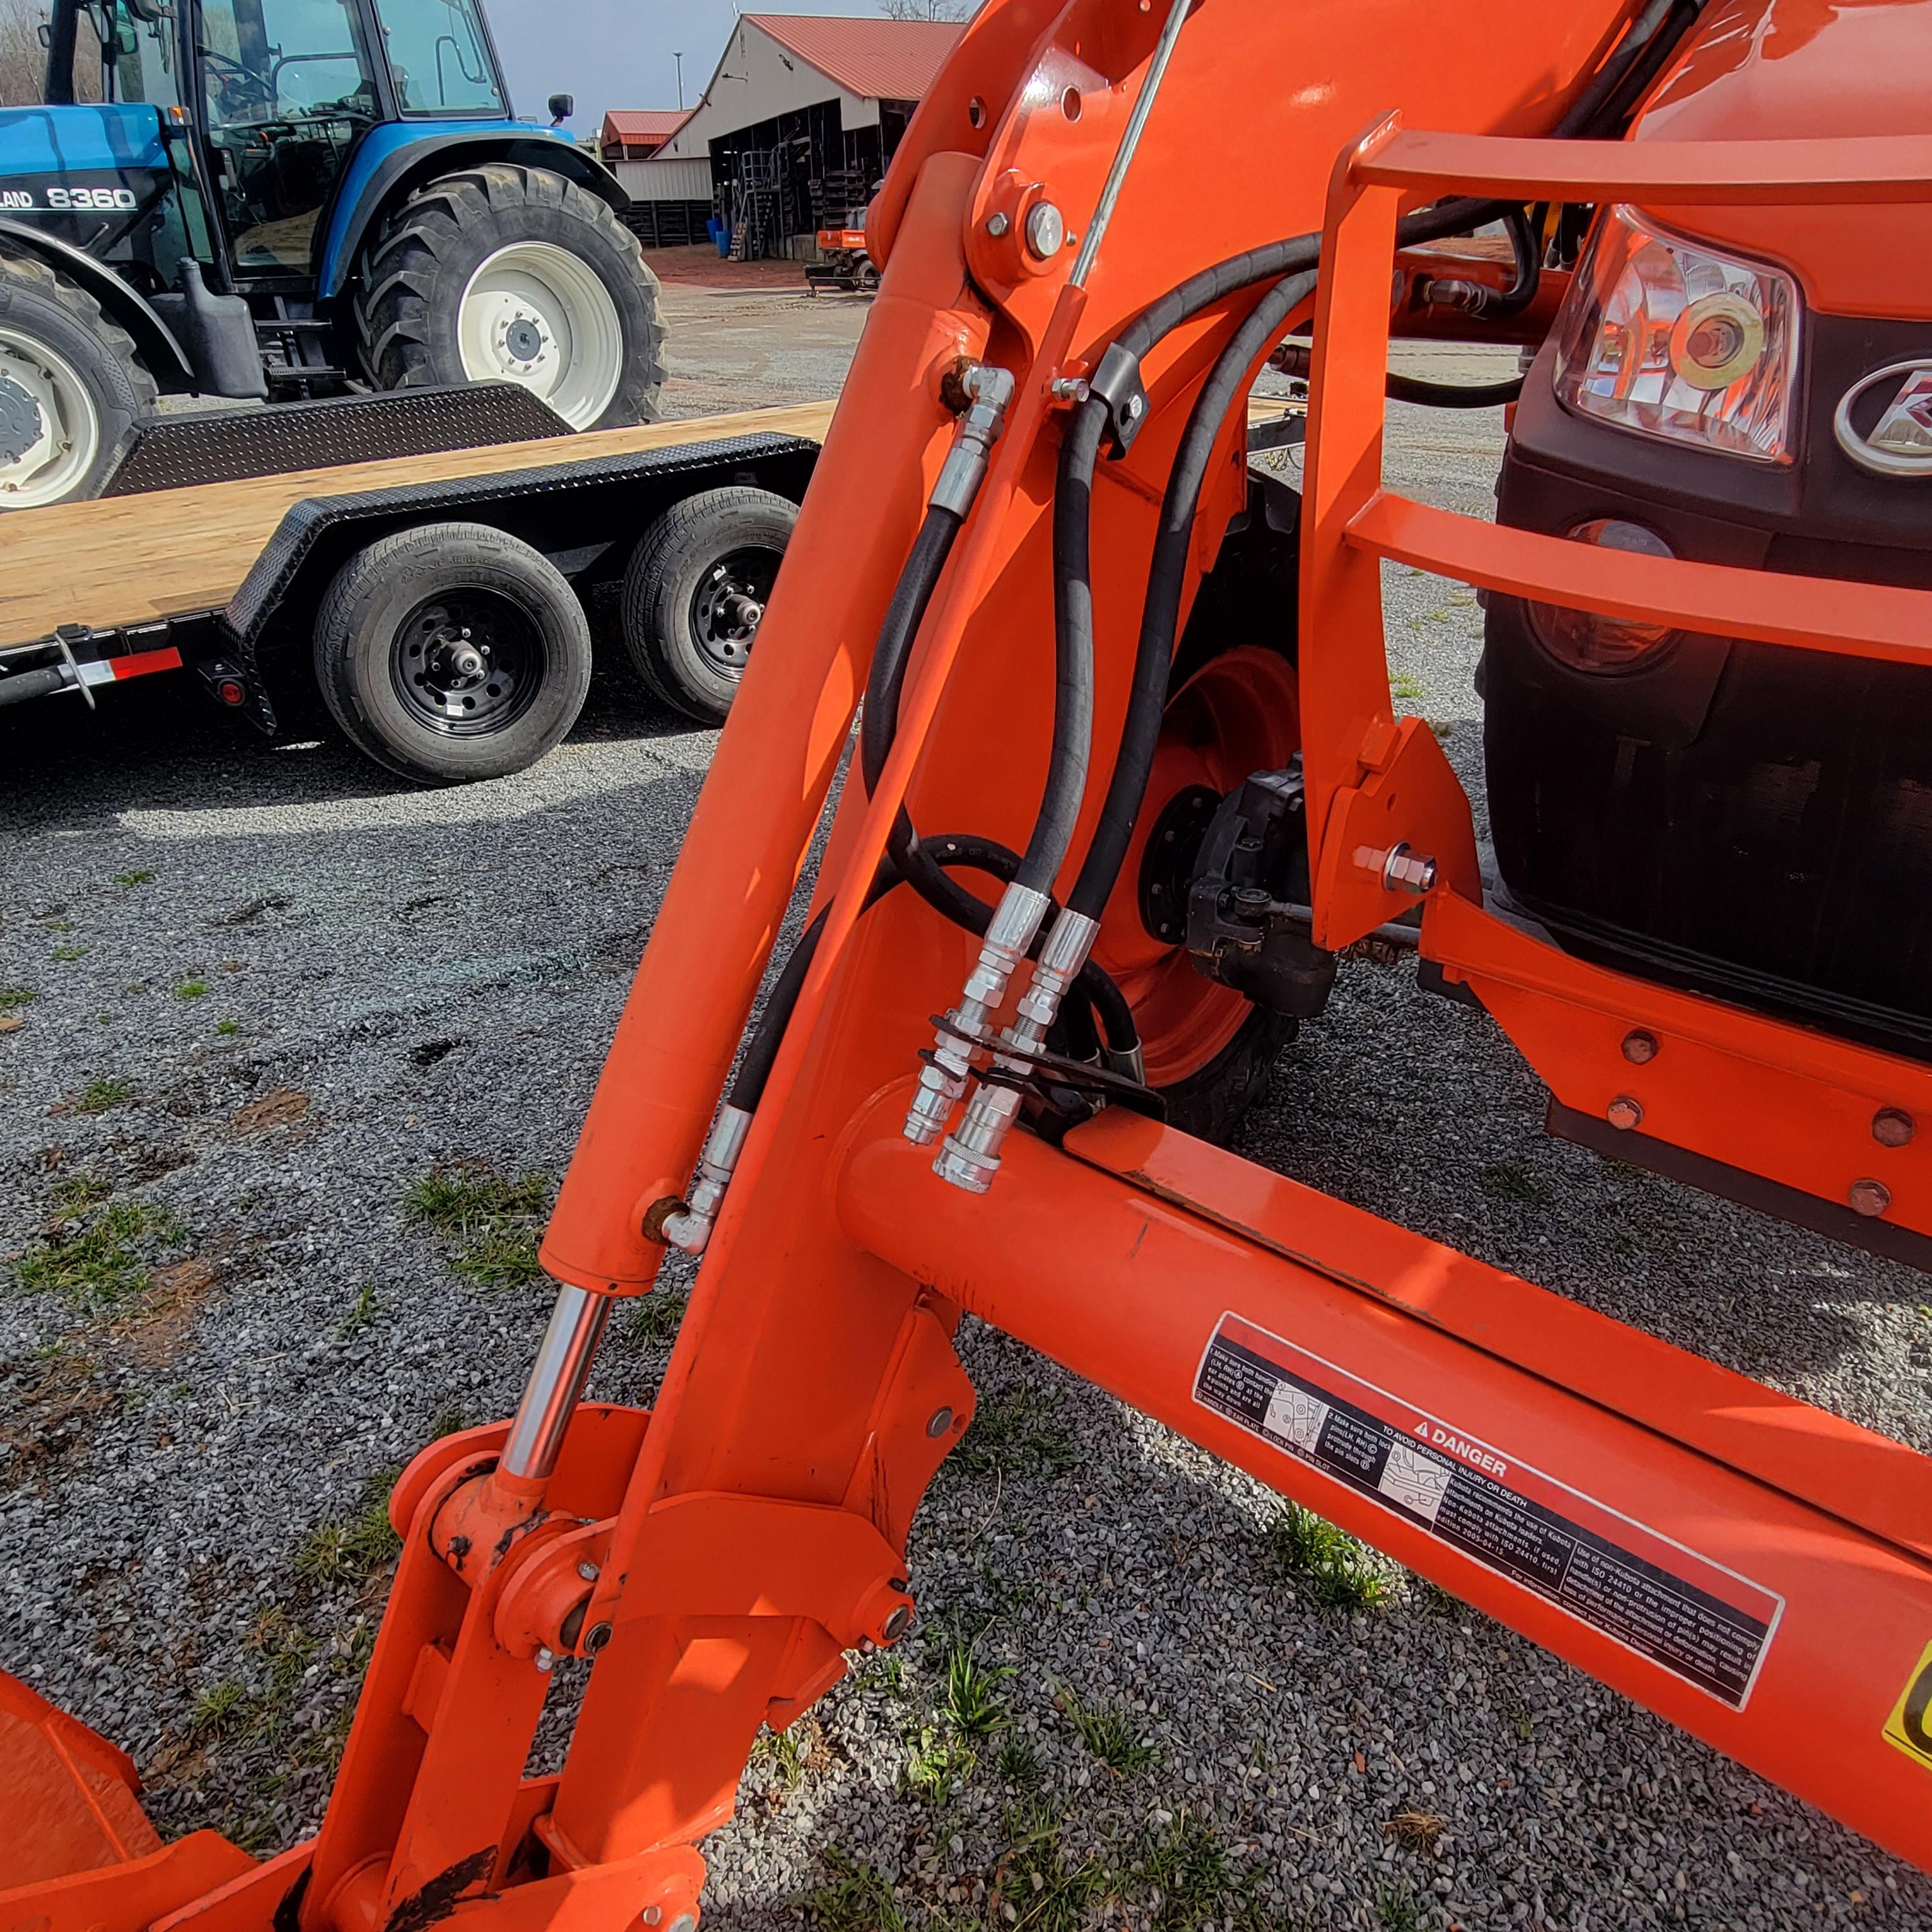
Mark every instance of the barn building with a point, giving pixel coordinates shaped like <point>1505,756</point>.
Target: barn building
<point>793,130</point>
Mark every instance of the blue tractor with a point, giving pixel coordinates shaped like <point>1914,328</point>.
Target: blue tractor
<point>291,199</point>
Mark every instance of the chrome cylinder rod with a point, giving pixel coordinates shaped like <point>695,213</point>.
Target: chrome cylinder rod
<point>1130,139</point>
<point>556,1383</point>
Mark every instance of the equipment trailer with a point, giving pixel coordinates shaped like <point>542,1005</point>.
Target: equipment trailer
<point>436,597</point>
<point>1030,477</point>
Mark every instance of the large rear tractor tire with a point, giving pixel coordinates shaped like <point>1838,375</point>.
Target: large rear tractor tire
<point>452,651</point>
<point>72,387</point>
<point>515,274</point>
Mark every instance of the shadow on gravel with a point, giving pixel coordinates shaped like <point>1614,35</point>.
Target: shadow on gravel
<point>163,743</point>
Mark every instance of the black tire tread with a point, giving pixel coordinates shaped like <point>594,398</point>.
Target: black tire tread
<point>393,320</point>
<point>662,552</point>
<point>120,360</point>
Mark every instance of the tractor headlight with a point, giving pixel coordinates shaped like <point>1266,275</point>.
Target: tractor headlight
<point>1661,336</point>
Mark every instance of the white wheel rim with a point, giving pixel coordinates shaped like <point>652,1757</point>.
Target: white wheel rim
<point>535,314</point>
<point>50,430</point>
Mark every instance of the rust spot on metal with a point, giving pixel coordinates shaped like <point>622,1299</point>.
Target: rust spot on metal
<point>435,1901</point>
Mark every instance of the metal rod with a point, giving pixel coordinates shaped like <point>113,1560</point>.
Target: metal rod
<point>1110,190</point>
<point>556,1382</point>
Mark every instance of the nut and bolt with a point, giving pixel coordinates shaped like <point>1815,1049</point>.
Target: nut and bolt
<point>1869,1197</point>
<point>1046,230</point>
<point>942,1420</point>
<point>545,1659</point>
<point>1406,870</point>
<point>1639,1048</point>
<point>1891,1126</point>
<point>1133,407</point>
<point>1069,389</point>
<point>588,1571</point>
<point>997,225</point>
<point>1624,1113</point>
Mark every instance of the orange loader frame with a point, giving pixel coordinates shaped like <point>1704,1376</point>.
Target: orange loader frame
<point>1756,1570</point>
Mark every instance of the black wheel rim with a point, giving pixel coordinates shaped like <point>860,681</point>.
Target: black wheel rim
<point>469,663</point>
<point>728,604</point>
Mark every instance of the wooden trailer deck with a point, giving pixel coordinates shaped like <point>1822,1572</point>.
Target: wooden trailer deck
<point>130,560</point>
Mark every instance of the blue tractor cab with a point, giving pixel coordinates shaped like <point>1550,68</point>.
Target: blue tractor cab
<point>287,199</point>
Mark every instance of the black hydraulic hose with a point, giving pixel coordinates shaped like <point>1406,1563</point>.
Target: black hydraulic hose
<point>878,724</point>
<point>1167,579</point>
<point>1452,395</point>
<point>980,855</point>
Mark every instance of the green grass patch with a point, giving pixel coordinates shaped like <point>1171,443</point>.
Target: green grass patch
<point>362,1312</point>
<point>654,1320</point>
<point>495,1224</point>
<point>191,989</point>
<point>221,1709</point>
<point>1505,1181</point>
<point>341,1550</point>
<point>11,997</point>
<point>95,1254</point>
<point>1107,1732</point>
<point>1326,1565</point>
<point>1016,1431</point>
<point>1410,690</point>
<point>1183,1864</point>
<point>127,881</point>
<point>971,1703</point>
<point>1018,1763</point>
<point>227,1027</point>
<point>97,1096</point>
<point>854,1898</point>
<point>1042,1888</point>
<point>1395,1909</point>
<point>65,953</point>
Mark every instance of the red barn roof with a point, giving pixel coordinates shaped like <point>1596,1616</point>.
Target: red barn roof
<point>877,60</point>
<point>650,124</point>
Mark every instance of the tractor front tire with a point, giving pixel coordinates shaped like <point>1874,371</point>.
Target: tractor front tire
<point>514,274</point>
<point>72,387</point>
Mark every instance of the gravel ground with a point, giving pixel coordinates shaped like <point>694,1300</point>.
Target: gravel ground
<point>261,992</point>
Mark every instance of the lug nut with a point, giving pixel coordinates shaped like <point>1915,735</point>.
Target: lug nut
<point>1869,1197</point>
<point>1639,1048</point>
<point>1891,1126</point>
<point>1624,1113</point>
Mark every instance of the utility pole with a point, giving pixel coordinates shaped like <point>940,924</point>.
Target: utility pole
<point>679,59</point>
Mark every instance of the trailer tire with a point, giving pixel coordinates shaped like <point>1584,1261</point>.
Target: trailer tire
<point>691,578</point>
<point>514,274</point>
<point>60,355</point>
<point>398,639</point>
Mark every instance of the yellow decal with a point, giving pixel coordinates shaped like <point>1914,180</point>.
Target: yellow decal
<point>1909,1727</point>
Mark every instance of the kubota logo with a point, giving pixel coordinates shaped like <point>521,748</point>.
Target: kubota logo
<point>1900,442</point>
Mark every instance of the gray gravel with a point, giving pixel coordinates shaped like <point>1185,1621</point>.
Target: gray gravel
<point>396,981</point>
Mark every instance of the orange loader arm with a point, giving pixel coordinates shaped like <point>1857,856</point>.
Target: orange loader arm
<point>1043,423</point>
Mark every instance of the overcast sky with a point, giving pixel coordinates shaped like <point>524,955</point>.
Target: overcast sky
<point>617,53</point>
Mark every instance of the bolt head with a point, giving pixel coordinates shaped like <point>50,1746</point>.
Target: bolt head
<point>1045,229</point>
<point>545,1660</point>
<point>652,1914</point>
<point>1639,1047</point>
<point>898,1624</point>
<point>997,225</point>
<point>1624,1113</point>
<point>1892,1126</point>
<point>588,1571</point>
<point>942,1420</point>
<point>1869,1197</point>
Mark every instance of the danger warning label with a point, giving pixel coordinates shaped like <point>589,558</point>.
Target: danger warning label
<point>1701,1621</point>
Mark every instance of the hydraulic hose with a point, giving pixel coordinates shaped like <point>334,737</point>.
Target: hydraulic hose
<point>1167,577</point>
<point>1452,395</point>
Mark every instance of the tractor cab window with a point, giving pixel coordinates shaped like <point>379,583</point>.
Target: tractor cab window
<point>438,57</point>
<point>288,90</point>
<point>137,52</point>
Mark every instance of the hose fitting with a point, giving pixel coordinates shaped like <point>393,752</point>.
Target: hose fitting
<point>942,1079</point>
<point>971,1155</point>
<point>690,1227</point>
<point>987,392</point>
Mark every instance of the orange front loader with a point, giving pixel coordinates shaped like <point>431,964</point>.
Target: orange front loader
<point>989,1078</point>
